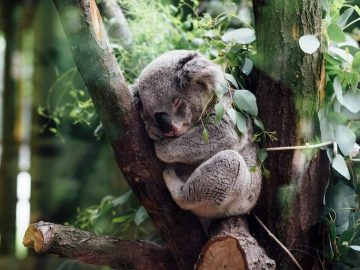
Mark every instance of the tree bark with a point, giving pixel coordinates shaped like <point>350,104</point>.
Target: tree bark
<point>65,241</point>
<point>119,28</point>
<point>288,94</point>
<point>133,150</point>
<point>231,246</point>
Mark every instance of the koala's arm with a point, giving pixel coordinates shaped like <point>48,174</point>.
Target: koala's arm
<point>191,148</point>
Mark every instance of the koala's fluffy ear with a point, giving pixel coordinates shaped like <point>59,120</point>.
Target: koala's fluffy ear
<point>194,68</point>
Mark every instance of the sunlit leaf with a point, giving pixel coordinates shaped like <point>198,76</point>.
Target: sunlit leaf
<point>345,17</point>
<point>242,36</point>
<point>356,248</point>
<point>345,138</point>
<point>339,165</point>
<point>351,101</point>
<point>231,79</point>
<point>309,43</point>
<point>247,67</point>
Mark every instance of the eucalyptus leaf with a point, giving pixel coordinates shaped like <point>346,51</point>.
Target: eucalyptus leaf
<point>241,123</point>
<point>259,124</point>
<point>341,54</point>
<point>246,101</point>
<point>356,62</point>
<point>341,199</point>
<point>335,33</point>
<point>262,155</point>
<point>351,101</point>
<point>345,138</point>
<point>338,90</point>
<point>232,114</point>
<point>337,118</point>
<point>241,36</point>
<point>247,67</point>
<point>219,112</point>
<point>356,248</point>
<point>231,79</point>
<point>327,133</point>
<point>345,17</point>
<point>339,165</point>
<point>309,43</point>
<point>221,89</point>
<point>140,216</point>
<point>205,135</point>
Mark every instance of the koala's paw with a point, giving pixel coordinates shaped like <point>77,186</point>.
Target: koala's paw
<point>170,175</point>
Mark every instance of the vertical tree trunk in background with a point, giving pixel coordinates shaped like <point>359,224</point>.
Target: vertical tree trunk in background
<point>288,91</point>
<point>9,157</point>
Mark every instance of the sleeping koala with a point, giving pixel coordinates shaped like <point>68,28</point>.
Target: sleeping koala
<point>212,179</point>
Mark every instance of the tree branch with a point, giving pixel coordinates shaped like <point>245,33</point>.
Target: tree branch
<point>133,150</point>
<point>86,247</point>
<point>119,28</point>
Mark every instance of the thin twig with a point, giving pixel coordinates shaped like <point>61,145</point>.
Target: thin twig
<point>278,242</point>
<point>298,147</point>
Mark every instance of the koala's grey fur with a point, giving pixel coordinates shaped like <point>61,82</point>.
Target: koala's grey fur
<point>212,179</point>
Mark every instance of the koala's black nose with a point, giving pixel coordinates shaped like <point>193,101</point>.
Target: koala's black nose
<point>163,120</point>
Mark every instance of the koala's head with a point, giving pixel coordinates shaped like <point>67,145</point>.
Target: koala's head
<point>174,90</point>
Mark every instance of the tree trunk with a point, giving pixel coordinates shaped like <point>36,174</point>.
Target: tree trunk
<point>134,153</point>
<point>288,94</point>
<point>10,146</point>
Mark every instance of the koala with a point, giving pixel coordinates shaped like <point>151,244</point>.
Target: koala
<point>212,179</point>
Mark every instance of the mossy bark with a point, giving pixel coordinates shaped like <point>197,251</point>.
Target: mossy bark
<point>288,92</point>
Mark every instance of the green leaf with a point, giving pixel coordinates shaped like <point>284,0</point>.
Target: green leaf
<point>309,43</point>
<point>53,130</point>
<point>338,90</point>
<point>259,124</point>
<point>246,101</point>
<point>345,138</point>
<point>205,135</point>
<point>266,173</point>
<point>241,36</point>
<point>335,33</point>
<point>232,114</point>
<point>356,62</point>
<point>336,118</point>
<point>241,123</point>
<point>219,112</point>
<point>122,219</point>
<point>345,17</point>
<point>121,199</point>
<point>247,67</point>
<point>351,101</point>
<point>262,155</point>
<point>341,199</point>
<point>339,165</point>
<point>231,79</point>
<point>140,216</point>
<point>221,89</point>
<point>356,248</point>
<point>351,78</point>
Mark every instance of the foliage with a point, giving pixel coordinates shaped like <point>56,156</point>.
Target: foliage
<point>339,119</point>
<point>121,216</point>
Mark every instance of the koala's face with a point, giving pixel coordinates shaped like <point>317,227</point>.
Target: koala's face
<point>174,90</point>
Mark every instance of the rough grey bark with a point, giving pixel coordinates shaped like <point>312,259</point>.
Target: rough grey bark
<point>288,93</point>
<point>68,242</point>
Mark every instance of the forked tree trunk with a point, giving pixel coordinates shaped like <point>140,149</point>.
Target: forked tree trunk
<point>288,93</point>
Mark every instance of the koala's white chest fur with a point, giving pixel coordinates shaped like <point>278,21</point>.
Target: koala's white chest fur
<point>173,90</point>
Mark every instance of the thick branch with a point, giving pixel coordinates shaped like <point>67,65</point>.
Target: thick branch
<point>133,150</point>
<point>119,28</point>
<point>231,246</point>
<point>86,247</point>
